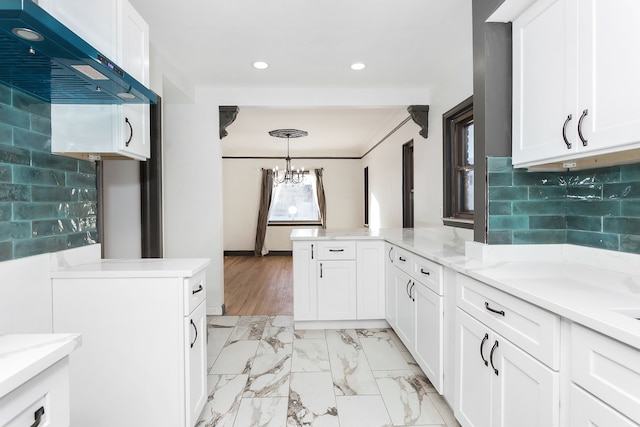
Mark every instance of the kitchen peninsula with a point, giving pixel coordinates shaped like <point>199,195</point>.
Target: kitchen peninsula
<point>546,323</point>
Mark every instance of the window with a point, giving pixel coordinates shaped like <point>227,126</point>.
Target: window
<point>458,165</point>
<point>295,203</point>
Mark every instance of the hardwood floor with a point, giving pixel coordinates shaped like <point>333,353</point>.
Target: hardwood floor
<point>258,285</point>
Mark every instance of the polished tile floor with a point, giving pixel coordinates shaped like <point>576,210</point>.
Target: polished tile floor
<point>263,373</point>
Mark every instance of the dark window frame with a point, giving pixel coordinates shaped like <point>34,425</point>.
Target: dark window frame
<point>453,123</point>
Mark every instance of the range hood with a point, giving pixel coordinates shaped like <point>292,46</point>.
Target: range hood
<point>42,57</point>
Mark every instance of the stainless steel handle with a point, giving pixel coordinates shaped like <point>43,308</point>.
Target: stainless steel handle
<point>425,272</point>
<point>197,290</point>
<point>564,131</point>
<point>495,371</point>
<point>582,138</point>
<point>493,310</point>
<point>406,288</point>
<point>390,249</point>
<point>196,337</point>
<point>486,337</point>
<point>126,120</point>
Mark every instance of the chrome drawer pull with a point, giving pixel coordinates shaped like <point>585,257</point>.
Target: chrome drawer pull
<point>486,337</point>
<point>582,138</point>
<point>197,290</point>
<point>564,132</point>
<point>425,272</point>
<point>196,337</point>
<point>495,371</point>
<point>493,310</point>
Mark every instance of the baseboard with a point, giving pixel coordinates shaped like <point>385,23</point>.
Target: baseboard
<point>251,253</point>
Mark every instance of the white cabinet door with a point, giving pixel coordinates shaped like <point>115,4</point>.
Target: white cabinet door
<point>473,375</point>
<point>405,315</point>
<point>195,347</point>
<point>587,411</point>
<point>429,334</point>
<point>525,392</point>
<point>337,290</point>
<point>608,62</point>
<point>370,280</point>
<point>390,288</point>
<point>544,83</point>
<point>305,300</point>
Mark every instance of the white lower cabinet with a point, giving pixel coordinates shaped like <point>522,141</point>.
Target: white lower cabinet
<point>389,288</point>
<point>337,290</point>
<point>500,385</point>
<point>429,333</point>
<point>588,411</point>
<point>405,310</point>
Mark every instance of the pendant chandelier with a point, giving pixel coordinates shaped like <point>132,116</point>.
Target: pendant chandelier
<point>288,176</point>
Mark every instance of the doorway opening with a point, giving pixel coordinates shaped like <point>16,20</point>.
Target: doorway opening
<point>407,185</point>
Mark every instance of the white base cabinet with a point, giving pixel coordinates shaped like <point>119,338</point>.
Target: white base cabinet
<point>143,358</point>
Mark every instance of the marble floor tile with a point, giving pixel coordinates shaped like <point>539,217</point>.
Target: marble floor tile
<point>310,355</point>
<point>223,400</point>
<point>311,400</point>
<point>235,358</point>
<point>310,334</point>
<point>443,409</point>
<point>249,328</point>
<point>406,398</point>
<point>281,321</point>
<point>219,329</point>
<point>362,411</point>
<point>262,412</point>
<point>271,368</point>
<point>383,354</point>
<point>349,366</point>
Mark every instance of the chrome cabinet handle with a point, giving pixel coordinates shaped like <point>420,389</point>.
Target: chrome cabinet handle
<point>582,138</point>
<point>196,337</point>
<point>37,416</point>
<point>390,259</point>
<point>406,288</point>
<point>411,292</point>
<point>425,272</point>
<point>564,131</point>
<point>493,310</point>
<point>486,337</point>
<point>495,371</point>
<point>126,120</point>
<point>197,290</point>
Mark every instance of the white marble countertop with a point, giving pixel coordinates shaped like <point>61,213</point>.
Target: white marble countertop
<point>124,268</point>
<point>597,288</point>
<point>23,356</point>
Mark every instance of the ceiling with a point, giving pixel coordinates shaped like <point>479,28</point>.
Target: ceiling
<point>405,44</point>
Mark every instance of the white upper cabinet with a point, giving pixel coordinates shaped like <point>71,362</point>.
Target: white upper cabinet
<point>574,87</point>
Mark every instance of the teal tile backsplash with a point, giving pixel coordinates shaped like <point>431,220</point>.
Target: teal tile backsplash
<point>47,202</point>
<point>597,208</point>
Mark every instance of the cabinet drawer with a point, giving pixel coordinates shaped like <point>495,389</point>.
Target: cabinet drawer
<point>195,291</point>
<point>586,410</point>
<point>608,369</point>
<point>531,328</point>
<point>403,260</point>
<point>336,250</point>
<point>428,273</point>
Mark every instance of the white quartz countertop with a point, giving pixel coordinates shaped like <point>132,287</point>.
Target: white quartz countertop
<point>596,288</point>
<point>24,356</point>
<point>124,268</point>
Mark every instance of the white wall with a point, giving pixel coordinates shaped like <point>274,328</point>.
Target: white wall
<point>343,182</point>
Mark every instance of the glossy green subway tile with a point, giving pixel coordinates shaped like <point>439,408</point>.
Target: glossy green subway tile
<point>624,190</point>
<point>5,94</point>
<point>548,193</point>
<point>499,164</point>
<point>53,194</point>
<point>547,222</point>
<point>41,125</point>
<point>28,175</point>
<point>82,239</point>
<point>593,208</point>
<point>82,180</point>
<point>508,222</point>
<point>6,173</point>
<point>14,230</point>
<point>82,209</point>
<point>508,193</point>
<point>630,208</point>
<point>14,155</point>
<point>52,161</point>
<point>499,208</point>
<point>521,177</point>
<point>594,176</point>
<point>27,103</point>
<point>539,207</point>
<point>521,237</point>
<point>621,225</point>
<point>5,212</point>
<point>500,179</point>
<point>52,227</point>
<point>6,134</point>
<point>630,243</point>
<point>500,237</point>
<point>584,223</point>
<point>6,251</point>
<point>36,246</point>
<point>585,192</point>
<point>593,240</point>
<point>30,211</point>
<point>630,172</point>
<point>13,117</point>
<point>88,223</point>
<point>86,194</point>
<point>85,166</point>
<point>31,140</point>
<point>14,193</point>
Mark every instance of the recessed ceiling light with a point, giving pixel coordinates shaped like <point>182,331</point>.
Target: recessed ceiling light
<point>260,65</point>
<point>358,66</point>
<point>27,34</point>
